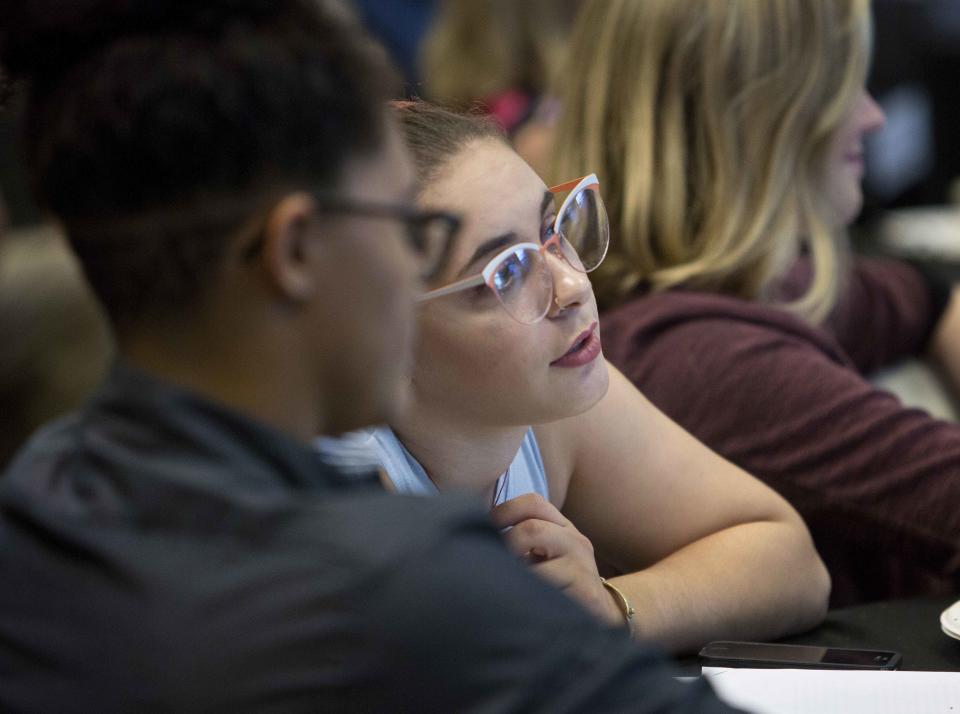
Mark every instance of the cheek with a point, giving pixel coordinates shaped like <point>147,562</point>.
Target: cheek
<point>385,275</point>
<point>842,182</point>
<point>844,191</point>
<point>477,359</point>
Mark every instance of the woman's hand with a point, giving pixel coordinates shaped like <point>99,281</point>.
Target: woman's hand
<point>557,551</point>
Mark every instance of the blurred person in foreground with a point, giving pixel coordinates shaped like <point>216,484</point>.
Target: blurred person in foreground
<point>733,157</point>
<point>242,207</point>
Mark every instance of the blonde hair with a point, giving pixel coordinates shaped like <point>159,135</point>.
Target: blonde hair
<point>476,49</point>
<point>708,123</point>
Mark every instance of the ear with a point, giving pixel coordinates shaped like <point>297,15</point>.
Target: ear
<point>290,247</point>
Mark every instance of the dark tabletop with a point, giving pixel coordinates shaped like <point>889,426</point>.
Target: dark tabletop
<point>910,627</point>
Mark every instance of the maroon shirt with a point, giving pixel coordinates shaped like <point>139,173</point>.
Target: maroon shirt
<point>878,483</point>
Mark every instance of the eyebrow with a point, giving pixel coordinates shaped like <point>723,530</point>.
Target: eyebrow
<point>488,247</point>
<point>501,241</point>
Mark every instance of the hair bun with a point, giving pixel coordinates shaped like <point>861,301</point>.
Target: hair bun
<point>43,38</point>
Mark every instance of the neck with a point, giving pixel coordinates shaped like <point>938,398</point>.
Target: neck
<point>250,376</point>
<point>457,455</point>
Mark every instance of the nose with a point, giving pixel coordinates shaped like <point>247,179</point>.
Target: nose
<point>570,287</point>
<point>872,117</point>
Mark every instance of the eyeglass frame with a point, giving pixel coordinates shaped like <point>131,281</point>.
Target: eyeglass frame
<point>551,245</point>
<point>410,216</point>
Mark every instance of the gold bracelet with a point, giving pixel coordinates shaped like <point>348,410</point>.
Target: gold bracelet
<point>625,607</point>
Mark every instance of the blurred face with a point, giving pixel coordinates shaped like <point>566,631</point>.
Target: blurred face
<point>474,362</point>
<point>363,318</point>
<point>845,158</point>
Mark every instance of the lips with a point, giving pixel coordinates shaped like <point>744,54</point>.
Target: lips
<point>856,164</point>
<point>854,154</point>
<point>585,348</point>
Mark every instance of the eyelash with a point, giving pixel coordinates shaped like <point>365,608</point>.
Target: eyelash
<point>546,228</point>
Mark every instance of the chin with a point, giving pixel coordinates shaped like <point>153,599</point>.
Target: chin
<point>852,210</point>
<point>588,389</point>
<point>847,200</point>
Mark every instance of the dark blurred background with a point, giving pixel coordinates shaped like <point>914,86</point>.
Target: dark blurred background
<point>501,56</point>
<point>914,161</point>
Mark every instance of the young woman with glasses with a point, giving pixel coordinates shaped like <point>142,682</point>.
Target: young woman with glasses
<point>512,400</point>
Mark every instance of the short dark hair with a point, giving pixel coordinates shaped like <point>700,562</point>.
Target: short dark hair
<point>154,126</point>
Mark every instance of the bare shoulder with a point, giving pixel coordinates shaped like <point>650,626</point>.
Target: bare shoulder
<point>563,443</point>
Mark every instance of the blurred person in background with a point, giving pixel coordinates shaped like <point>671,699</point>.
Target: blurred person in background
<point>241,204</point>
<point>732,156</point>
<point>513,400</point>
<point>501,56</point>
<point>56,344</point>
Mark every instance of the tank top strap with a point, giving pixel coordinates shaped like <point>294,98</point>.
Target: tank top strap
<point>379,446</point>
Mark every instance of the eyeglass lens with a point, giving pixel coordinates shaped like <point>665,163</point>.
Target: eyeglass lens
<point>523,284</point>
<point>585,230</point>
<point>522,280</point>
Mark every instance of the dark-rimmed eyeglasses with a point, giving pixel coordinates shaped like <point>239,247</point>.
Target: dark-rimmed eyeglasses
<point>429,233</point>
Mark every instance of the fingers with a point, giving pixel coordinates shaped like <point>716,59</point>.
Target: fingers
<point>583,586</point>
<point>578,578</point>
<point>557,550</point>
<point>558,553</point>
<point>546,540</point>
<point>530,506</point>
<point>540,538</point>
<point>557,572</point>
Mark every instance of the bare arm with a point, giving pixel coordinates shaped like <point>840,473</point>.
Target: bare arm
<point>709,551</point>
<point>944,348</point>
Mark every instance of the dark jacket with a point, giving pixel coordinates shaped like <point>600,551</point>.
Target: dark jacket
<point>160,553</point>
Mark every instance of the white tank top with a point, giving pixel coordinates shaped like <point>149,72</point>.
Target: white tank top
<point>359,450</point>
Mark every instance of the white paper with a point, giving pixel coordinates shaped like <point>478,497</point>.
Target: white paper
<point>810,691</point>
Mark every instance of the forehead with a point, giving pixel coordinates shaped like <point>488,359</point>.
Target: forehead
<point>492,189</point>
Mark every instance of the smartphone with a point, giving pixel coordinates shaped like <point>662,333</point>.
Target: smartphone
<point>760,655</point>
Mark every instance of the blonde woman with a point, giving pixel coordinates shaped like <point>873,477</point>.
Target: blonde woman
<point>732,155</point>
<point>513,401</point>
